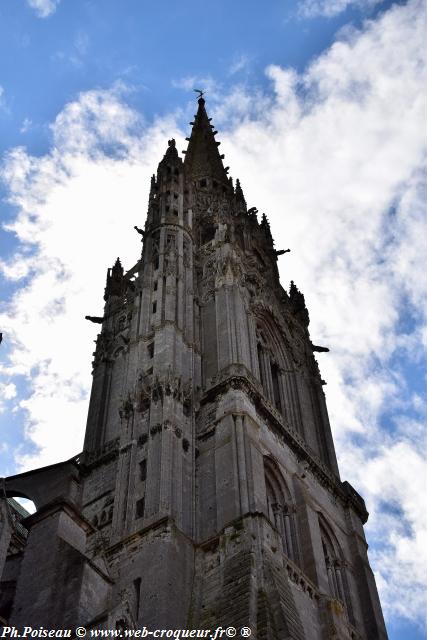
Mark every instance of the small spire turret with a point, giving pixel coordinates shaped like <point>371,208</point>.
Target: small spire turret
<point>115,280</point>
<point>265,226</point>
<point>117,270</point>
<point>239,199</point>
<point>297,301</point>
<point>239,192</point>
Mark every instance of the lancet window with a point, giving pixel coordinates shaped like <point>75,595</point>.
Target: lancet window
<point>335,565</point>
<point>269,369</point>
<point>155,248</point>
<point>280,508</point>
<point>275,371</point>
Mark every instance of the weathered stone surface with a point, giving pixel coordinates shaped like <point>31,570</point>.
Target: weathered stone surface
<point>208,490</point>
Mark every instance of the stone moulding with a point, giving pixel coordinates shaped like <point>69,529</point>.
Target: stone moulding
<point>236,376</point>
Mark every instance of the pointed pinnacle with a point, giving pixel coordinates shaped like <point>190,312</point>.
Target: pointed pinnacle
<point>202,158</point>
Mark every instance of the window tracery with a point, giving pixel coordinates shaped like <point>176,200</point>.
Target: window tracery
<point>155,249</point>
<point>280,508</point>
<point>276,370</point>
<point>335,565</point>
<point>269,368</point>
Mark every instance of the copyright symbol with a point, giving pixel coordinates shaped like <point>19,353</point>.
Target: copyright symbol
<point>230,632</point>
<point>80,632</point>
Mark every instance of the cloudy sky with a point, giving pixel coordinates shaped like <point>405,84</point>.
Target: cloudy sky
<point>322,111</point>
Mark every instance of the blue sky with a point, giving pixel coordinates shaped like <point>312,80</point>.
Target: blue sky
<point>321,107</point>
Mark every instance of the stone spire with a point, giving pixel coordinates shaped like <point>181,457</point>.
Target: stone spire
<point>298,304</point>
<point>208,444</point>
<point>203,159</point>
<point>114,285</point>
<point>239,193</point>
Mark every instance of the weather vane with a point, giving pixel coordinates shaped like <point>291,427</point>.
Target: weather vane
<point>200,92</point>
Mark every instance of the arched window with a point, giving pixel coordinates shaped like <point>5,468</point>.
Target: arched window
<point>335,565</point>
<point>280,508</point>
<point>276,370</point>
<point>155,248</point>
<point>269,355</point>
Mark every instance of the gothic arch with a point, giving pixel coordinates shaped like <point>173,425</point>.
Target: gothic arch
<point>275,369</point>
<point>268,326</point>
<point>335,565</point>
<point>280,508</point>
<point>272,359</point>
<point>115,389</point>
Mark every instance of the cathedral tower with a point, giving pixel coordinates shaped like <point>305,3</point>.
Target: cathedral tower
<point>208,491</point>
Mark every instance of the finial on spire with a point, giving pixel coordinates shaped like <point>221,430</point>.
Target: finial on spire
<point>114,283</point>
<point>200,98</point>
<point>239,192</point>
<point>297,301</point>
<point>202,158</point>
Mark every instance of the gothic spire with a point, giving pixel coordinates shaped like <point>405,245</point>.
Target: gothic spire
<point>297,301</point>
<point>114,285</point>
<point>239,193</point>
<point>203,159</point>
<point>117,270</point>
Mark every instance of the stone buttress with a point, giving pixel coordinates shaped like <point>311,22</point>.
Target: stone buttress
<point>208,490</point>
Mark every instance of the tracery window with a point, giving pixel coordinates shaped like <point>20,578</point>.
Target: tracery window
<point>276,389</point>
<point>280,507</point>
<point>155,250</point>
<point>261,364</point>
<point>269,370</point>
<point>156,212</point>
<point>276,370</point>
<point>335,565</point>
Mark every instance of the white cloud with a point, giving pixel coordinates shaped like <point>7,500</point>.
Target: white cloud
<point>7,392</point>
<point>239,64</point>
<point>26,125</point>
<point>81,43</point>
<point>343,154</point>
<point>330,8</point>
<point>76,53</point>
<point>337,158</point>
<point>3,103</point>
<point>394,482</point>
<point>43,8</point>
<point>69,205</point>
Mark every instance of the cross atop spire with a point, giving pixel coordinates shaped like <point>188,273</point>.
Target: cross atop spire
<point>203,159</point>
